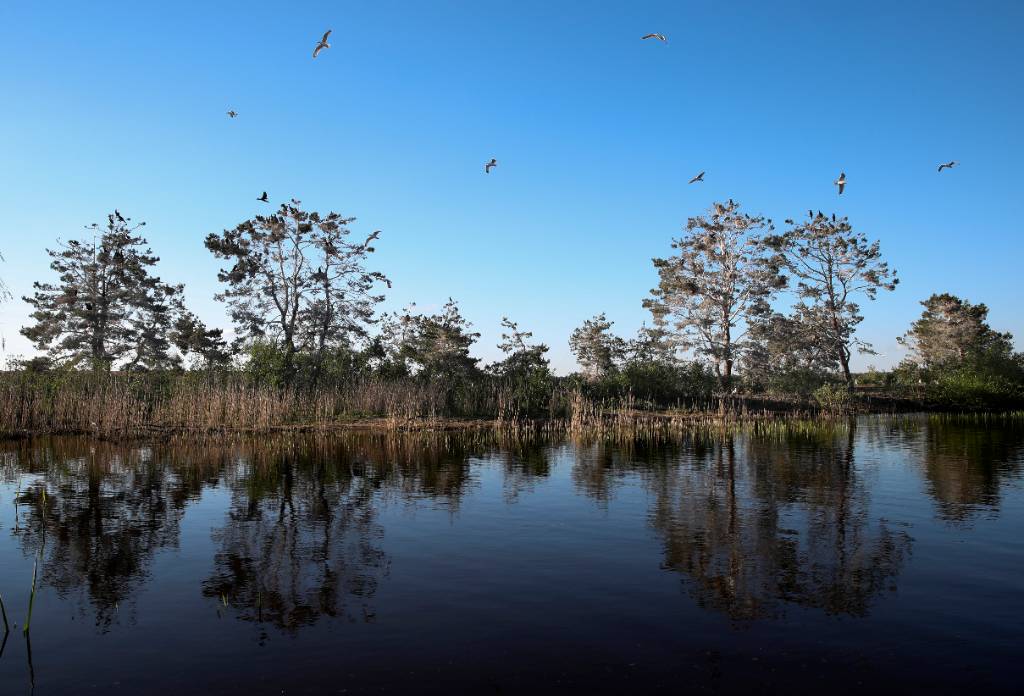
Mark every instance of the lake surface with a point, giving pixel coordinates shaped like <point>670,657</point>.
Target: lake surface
<point>881,554</point>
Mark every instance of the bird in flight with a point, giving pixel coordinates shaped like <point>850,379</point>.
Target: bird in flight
<point>322,45</point>
<point>841,182</point>
<point>263,198</point>
<point>120,218</point>
<point>232,113</point>
<point>489,165</point>
<point>659,37</point>
<point>947,165</point>
<point>699,177</point>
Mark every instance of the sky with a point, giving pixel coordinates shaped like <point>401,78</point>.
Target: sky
<point>122,104</point>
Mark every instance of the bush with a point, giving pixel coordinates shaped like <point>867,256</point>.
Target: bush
<point>834,397</point>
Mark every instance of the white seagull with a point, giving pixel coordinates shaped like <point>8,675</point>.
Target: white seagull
<point>841,182</point>
<point>659,37</point>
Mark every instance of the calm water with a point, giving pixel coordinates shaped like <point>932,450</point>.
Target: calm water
<point>884,555</point>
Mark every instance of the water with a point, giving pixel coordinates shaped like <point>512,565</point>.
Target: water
<point>886,555</point>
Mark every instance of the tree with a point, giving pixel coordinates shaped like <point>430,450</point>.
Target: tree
<point>784,353</point>
<point>833,264</point>
<point>525,371</point>
<point>952,330</point>
<point>193,338</point>
<point>105,307</point>
<point>653,344</point>
<point>717,284</point>
<point>297,280</point>
<point>437,345</point>
<point>521,358</point>
<point>598,351</point>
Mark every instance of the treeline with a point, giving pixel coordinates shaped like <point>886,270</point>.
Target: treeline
<point>303,305</point>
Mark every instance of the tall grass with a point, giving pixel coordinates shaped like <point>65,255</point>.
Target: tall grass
<point>117,404</point>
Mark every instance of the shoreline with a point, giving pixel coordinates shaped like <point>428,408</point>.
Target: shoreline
<point>635,422</point>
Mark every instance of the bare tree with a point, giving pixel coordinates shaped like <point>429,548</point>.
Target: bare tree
<point>833,264</point>
<point>297,280</point>
<point>721,279</point>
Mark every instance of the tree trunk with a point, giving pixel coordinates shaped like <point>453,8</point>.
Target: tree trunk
<point>844,359</point>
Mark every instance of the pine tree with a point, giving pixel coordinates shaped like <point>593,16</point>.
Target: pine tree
<point>297,280</point>
<point>105,309</point>
<point>833,264</point>
<point>716,286</point>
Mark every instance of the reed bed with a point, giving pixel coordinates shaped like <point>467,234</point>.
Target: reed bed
<point>122,404</point>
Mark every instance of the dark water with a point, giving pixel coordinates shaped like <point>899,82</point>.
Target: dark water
<point>884,555</point>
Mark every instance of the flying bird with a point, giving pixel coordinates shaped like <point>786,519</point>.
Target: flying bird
<point>232,113</point>
<point>322,45</point>
<point>947,165</point>
<point>659,37</point>
<point>699,177</point>
<point>489,165</point>
<point>263,198</point>
<point>841,182</point>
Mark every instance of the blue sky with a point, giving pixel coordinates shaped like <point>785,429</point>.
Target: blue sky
<point>597,132</point>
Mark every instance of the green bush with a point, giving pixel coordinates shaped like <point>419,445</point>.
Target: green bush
<point>834,397</point>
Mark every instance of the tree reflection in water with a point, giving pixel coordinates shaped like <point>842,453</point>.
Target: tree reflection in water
<point>965,464</point>
<point>301,540</point>
<point>754,524</point>
<point>99,512</point>
<point>757,523</point>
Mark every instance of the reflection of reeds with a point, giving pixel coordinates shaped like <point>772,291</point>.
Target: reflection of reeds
<point>3,615</point>
<point>31,597</point>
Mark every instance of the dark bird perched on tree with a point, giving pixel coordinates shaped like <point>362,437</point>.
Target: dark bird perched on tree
<point>810,213</point>
<point>841,182</point>
<point>322,45</point>
<point>232,113</point>
<point>947,165</point>
<point>699,177</point>
<point>489,165</point>
<point>833,217</point>
<point>120,218</point>
<point>263,198</point>
<point>659,37</point>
